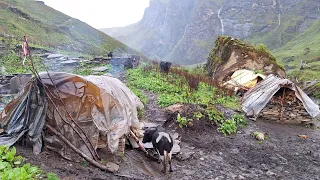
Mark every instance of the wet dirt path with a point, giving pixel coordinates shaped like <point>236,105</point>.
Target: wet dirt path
<point>206,154</point>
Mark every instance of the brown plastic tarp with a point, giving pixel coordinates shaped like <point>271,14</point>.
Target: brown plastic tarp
<point>85,110</point>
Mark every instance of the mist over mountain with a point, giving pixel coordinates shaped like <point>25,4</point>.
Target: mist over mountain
<point>184,31</point>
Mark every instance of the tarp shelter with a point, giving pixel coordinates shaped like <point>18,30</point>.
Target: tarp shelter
<point>86,111</point>
<point>259,96</point>
<point>244,79</point>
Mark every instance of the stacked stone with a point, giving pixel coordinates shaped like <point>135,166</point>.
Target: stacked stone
<point>293,110</point>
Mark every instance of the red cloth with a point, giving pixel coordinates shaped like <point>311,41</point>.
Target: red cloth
<point>25,48</point>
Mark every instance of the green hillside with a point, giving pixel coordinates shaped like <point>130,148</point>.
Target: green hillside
<point>304,47</point>
<point>47,27</point>
<point>296,39</point>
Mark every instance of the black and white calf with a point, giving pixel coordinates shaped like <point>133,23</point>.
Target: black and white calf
<point>163,143</point>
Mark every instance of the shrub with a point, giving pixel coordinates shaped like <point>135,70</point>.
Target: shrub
<point>215,116</point>
<point>14,167</point>
<point>261,48</point>
<point>228,127</point>
<point>239,119</point>
<point>183,121</point>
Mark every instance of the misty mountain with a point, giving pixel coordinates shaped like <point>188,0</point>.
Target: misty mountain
<point>184,31</point>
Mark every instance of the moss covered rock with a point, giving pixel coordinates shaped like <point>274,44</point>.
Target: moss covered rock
<point>230,55</point>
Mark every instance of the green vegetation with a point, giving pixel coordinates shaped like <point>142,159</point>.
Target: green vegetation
<point>173,89</point>
<point>215,116</point>
<point>198,115</point>
<point>14,167</point>
<point>183,121</point>
<point>292,47</point>
<point>13,64</point>
<point>230,126</point>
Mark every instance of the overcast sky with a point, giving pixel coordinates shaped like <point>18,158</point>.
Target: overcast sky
<point>102,13</point>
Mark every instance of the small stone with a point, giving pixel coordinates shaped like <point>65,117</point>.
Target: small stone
<point>220,153</point>
<point>235,151</point>
<point>270,173</point>
<point>241,177</point>
<point>264,167</point>
<point>202,159</point>
<point>188,172</point>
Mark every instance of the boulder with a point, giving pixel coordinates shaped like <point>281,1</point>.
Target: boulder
<point>230,55</point>
<point>70,63</point>
<point>54,56</point>
<point>100,69</point>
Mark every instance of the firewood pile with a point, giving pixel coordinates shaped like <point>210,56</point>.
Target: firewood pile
<point>286,108</point>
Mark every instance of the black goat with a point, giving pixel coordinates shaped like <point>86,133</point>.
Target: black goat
<point>165,66</point>
<point>163,143</point>
<point>110,55</point>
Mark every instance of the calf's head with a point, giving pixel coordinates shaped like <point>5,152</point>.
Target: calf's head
<point>147,136</point>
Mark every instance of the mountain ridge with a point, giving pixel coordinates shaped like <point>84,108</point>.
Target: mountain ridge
<point>47,27</point>
<point>184,31</point>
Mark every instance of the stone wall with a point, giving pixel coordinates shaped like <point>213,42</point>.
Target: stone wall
<point>293,111</point>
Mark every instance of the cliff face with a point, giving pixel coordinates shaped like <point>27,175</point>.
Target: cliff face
<point>184,31</point>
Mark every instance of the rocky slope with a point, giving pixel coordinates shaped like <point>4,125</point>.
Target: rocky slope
<point>48,28</point>
<point>185,31</point>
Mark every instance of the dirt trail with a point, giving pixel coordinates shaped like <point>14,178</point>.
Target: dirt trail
<point>206,154</point>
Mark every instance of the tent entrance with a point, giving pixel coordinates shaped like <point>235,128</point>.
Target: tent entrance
<point>285,107</point>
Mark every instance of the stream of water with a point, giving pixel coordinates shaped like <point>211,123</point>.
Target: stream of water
<point>221,21</point>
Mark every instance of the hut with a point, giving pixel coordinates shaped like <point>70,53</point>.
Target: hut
<point>281,100</point>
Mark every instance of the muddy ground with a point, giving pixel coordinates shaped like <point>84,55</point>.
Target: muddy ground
<point>206,154</point>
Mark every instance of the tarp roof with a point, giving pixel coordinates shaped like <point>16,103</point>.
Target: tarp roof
<point>82,109</point>
<point>258,97</point>
<point>244,78</point>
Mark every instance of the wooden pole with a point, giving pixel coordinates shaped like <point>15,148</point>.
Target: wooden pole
<point>87,158</point>
<point>282,103</point>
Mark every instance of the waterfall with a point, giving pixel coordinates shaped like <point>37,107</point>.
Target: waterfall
<point>279,15</point>
<point>279,22</point>
<point>221,21</point>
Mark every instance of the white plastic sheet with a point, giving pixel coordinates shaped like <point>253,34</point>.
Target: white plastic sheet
<point>258,97</point>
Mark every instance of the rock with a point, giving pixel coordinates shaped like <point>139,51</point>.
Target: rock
<point>70,63</point>
<point>282,159</point>
<point>85,61</point>
<point>100,69</point>
<point>264,167</point>
<point>270,173</point>
<point>235,151</point>
<point>241,177</point>
<point>113,167</point>
<point>54,56</point>
<point>188,172</point>
<point>227,59</point>
<point>176,148</point>
<point>259,136</point>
